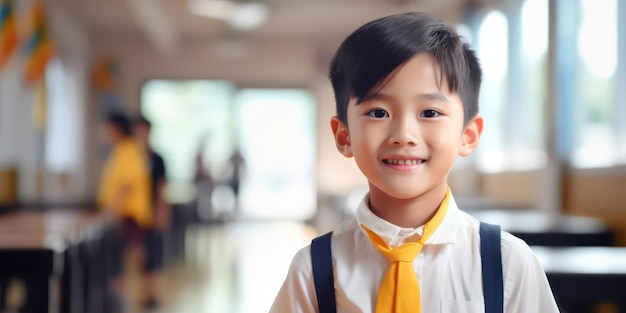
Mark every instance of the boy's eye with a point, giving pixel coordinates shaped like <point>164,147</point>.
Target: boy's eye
<point>378,113</point>
<point>430,113</point>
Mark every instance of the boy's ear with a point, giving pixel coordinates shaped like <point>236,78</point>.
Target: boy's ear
<point>471,136</point>
<point>342,137</point>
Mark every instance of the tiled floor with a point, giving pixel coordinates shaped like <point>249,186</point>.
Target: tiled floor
<point>232,268</point>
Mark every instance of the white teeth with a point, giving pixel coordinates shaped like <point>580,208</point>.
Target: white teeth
<point>405,162</point>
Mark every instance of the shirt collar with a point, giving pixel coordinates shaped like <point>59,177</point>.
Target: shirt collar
<point>394,235</point>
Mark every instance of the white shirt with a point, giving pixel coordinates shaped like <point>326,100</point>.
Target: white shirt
<point>448,268</point>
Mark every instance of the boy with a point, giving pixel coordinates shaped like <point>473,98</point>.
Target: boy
<point>407,101</point>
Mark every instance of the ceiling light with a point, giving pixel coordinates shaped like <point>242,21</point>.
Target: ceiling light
<point>217,9</point>
<point>248,16</point>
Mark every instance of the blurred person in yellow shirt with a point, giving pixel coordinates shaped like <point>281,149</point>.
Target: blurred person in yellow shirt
<point>125,194</point>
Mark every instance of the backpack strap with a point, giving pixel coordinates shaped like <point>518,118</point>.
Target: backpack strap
<point>491,259</point>
<point>322,260</point>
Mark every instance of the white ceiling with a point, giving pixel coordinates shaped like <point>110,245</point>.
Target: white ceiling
<point>168,23</point>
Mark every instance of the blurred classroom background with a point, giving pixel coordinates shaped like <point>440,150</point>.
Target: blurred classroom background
<point>239,101</point>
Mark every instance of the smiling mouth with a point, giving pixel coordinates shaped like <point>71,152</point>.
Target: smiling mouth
<point>404,162</point>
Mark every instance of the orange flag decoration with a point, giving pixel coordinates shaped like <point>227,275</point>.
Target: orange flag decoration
<point>39,49</point>
<point>8,32</point>
<point>104,74</point>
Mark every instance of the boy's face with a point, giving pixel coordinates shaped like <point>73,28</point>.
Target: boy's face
<point>406,137</point>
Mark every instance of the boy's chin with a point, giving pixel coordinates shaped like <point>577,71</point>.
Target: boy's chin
<point>404,192</point>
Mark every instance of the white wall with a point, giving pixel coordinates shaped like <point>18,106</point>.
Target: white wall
<point>19,140</point>
<point>72,44</point>
<point>17,135</point>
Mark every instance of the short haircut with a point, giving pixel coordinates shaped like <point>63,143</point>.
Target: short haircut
<point>376,49</point>
<point>121,122</point>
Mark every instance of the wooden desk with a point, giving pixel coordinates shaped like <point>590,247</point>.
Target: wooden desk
<point>539,229</point>
<point>583,276</point>
<point>46,250</point>
<point>72,248</point>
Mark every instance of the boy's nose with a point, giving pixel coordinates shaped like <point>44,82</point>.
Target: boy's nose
<point>404,133</point>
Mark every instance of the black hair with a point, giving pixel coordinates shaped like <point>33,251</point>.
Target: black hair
<point>121,122</point>
<point>376,49</point>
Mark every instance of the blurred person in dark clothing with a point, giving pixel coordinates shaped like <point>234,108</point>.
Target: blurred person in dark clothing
<point>202,173</point>
<point>203,181</point>
<point>161,213</point>
<point>237,163</point>
<point>125,194</point>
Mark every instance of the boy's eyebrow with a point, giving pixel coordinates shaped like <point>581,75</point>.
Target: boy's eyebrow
<point>373,96</point>
<point>437,96</point>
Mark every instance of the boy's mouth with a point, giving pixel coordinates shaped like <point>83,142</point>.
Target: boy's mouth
<point>404,162</point>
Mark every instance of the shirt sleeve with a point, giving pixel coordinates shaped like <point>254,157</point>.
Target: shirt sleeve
<point>526,287</point>
<point>297,294</point>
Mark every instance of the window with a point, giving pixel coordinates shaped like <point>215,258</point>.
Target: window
<point>528,87</point>
<point>277,135</point>
<point>596,126</point>
<point>274,130</point>
<point>189,117</point>
<point>492,51</point>
<point>64,128</point>
<point>512,48</point>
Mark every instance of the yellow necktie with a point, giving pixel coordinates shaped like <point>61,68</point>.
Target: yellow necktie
<point>400,290</point>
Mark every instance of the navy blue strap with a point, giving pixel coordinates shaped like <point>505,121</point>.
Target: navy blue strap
<point>322,260</point>
<point>491,258</point>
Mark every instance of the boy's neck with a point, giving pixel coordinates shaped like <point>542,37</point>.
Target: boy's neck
<point>406,213</point>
